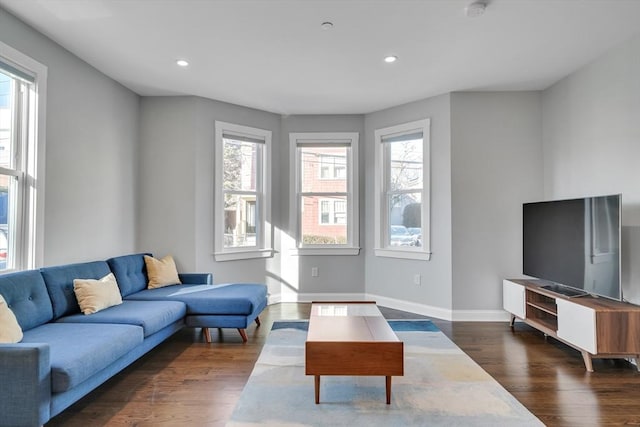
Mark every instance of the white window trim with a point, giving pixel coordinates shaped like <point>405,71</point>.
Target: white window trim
<point>353,214</point>
<point>31,246</point>
<point>380,212</point>
<point>264,248</point>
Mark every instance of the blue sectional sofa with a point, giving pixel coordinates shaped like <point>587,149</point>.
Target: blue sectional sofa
<point>233,305</point>
<point>65,354</point>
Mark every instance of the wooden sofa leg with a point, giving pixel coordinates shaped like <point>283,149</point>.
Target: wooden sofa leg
<point>207,335</point>
<point>243,334</point>
<point>258,321</point>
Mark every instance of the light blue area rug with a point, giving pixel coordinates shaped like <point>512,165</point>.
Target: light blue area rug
<point>441,386</point>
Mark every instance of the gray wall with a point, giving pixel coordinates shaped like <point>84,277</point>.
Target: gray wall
<point>591,132</point>
<point>337,274</point>
<point>496,158</point>
<point>166,215</point>
<point>393,278</point>
<point>91,153</point>
<point>177,185</point>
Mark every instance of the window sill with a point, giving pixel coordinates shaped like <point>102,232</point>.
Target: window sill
<point>238,255</point>
<point>324,251</point>
<point>405,254</point>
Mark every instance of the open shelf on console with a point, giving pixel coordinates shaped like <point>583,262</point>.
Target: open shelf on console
<point>542,309</point>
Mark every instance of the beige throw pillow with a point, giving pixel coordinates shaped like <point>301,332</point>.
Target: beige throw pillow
<point>10,330</point>
<point>95,295</point>
<point>161,272</point>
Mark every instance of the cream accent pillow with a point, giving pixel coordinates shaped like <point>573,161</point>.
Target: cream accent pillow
<point>10,330</point>
<point>161,272</point>
<point>95,295</point>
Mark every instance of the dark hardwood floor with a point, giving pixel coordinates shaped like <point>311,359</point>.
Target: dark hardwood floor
<point>186,381</point>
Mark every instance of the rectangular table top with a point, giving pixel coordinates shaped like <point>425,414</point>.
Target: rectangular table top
<point>348,322</point>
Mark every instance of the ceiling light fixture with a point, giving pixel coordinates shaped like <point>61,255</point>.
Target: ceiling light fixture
<point>182,63</point>
<point>475,9</point>
<point>391,58</point>
<point>326,25</point>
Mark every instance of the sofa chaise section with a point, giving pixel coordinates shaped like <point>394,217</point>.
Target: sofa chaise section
<point>234,305</point>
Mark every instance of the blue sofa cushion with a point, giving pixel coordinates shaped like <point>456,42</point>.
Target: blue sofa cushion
<point>130,272</point>
<point>236,298</point>
<point>78,351</point>
<point>59,281</point>
<point>26,295</point>
<point>151,315</point>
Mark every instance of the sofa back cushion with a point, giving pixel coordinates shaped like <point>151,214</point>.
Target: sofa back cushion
<point>26,295</point>
<point>130,272</point>
<point>59,281</point>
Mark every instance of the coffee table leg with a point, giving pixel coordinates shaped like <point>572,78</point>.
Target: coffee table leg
<point>388,389</point>
<point>317,377</point>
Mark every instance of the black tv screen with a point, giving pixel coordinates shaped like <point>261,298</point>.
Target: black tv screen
<point>574,243</point>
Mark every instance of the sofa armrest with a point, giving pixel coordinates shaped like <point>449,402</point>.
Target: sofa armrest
<point>196,278</point>
<point>25,395</point>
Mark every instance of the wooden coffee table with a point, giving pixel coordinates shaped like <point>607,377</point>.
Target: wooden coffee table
<point>351,338</point>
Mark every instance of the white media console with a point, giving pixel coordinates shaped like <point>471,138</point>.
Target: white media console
<point>597,327</point>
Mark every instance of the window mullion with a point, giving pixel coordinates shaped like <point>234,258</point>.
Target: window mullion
<point>22,104</point>
<point>11,172</point>
<point>241,192</point>
<point>407,191</point>
<point>324,194</point>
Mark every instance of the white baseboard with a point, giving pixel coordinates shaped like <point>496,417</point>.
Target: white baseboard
<point>396,304</point>
<point>481,316</point>
<point>291,297</point>
<point>412,307</point>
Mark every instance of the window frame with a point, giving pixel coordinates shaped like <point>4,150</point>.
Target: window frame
<point>381,215</point>
<point>28,235</point>
<point>263,247</point>
<point>318,139</point>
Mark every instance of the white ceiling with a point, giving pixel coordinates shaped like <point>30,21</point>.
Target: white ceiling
<point>273,54</point>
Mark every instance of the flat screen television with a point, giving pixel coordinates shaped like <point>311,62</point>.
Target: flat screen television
<point>574,245</point>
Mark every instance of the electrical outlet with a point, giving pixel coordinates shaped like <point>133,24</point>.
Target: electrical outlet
<point>314,271</point>
<point>417,279</point>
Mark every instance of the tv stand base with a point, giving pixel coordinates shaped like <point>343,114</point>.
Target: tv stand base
<point>598,328</point>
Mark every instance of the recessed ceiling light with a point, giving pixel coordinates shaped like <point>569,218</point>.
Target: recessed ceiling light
<point>391,58</point>
<point>475,9</point>
<point>326,25</point>
<point>182,63</point>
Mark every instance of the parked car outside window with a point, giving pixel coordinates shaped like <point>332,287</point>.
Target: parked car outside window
<point>400,236</point>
